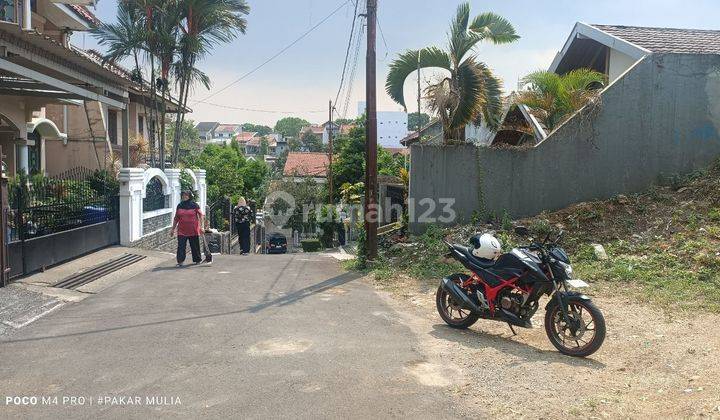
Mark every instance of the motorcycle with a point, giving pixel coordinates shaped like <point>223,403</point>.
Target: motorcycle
<point>508,289</point>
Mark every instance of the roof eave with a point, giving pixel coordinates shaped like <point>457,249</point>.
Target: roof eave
<point>583,30</point>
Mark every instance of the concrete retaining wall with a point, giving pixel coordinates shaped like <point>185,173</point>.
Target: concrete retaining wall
<point>662,118</point>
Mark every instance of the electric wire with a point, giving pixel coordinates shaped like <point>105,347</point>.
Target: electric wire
<point>347,51</point>
<point>276,55</point>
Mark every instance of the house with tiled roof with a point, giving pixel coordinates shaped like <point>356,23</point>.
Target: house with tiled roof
<point>275,142</point>
<point>226,132</point>
<point>206,129</point>
<point>302,165</point>
<point>60,106</point>
<point>657,116</point>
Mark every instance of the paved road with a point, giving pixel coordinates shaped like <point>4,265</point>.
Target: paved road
<point>249,337</point>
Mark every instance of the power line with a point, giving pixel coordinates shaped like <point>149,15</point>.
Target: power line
<point>351,79</point>
<point>279,53</point>
<point>259,110</point>
<point>382,35</point>
<point>347,52</point>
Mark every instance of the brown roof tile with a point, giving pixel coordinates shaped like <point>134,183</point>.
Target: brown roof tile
<point>306,164</point>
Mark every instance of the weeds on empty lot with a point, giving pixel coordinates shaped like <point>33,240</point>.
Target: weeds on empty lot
<point>664,244</point>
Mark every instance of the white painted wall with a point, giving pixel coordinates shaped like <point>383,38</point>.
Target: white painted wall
<point>392,127</point>
<point>619,63</point>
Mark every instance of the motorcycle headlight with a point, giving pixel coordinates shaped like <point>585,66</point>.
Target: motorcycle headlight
<point>568,269</point>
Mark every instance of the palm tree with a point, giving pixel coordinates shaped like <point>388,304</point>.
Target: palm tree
<point>171,36</point>
<point>204,24</point>
<point>553,97</point>
<point>471,93</point>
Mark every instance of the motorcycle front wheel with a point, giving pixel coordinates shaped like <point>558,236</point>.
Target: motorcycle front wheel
<point>450,311</point>
<point>585,332</point>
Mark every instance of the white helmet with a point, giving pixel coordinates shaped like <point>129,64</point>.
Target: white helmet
<point>486,246</point>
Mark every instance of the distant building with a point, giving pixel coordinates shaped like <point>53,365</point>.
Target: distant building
<point>207,129</point>
<point>276,145</point>
<point>302,165</point>
<point>392,126</point>
<point>226,132</point>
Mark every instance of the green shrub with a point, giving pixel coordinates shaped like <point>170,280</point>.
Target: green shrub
<point>311,245</point>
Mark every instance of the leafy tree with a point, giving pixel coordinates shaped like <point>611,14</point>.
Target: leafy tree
<point>349,163</point>
<point>470,93</point>
<point>166,39</point>
<point>224,176</point>
<point>290,126</point>
<point>344,121</point>
<point>310,142</point>
<point>264,146</point>
<point>389,164</point>
<point>306,194</point>
<point>417,121</point>
<point>262,130</point>
<point>255,174</point>
<point>293,144</point>
<point>553,97</point>
<point>189,137</point>
<point>280,164</point>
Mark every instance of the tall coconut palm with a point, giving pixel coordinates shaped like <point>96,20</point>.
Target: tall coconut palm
<point>469,92</point>
<point>553,97</point>
<point>205,24</point>
<point>171,36</point>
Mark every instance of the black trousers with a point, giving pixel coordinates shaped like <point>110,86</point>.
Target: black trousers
<point>194,248</point>
<point>243,230</point>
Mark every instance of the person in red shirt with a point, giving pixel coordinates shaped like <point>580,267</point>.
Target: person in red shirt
<point>188,223</point>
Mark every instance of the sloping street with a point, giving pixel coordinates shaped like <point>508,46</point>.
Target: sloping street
<point>253,337</point>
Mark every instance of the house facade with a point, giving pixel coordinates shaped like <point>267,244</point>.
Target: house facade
<point>206,129</point>
<point>62,107</point>
<point>658,117</point>
<point>226,132</point>
<point>300,166</point>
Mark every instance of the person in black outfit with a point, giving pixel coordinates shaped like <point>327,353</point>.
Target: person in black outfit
<point>242,214</point>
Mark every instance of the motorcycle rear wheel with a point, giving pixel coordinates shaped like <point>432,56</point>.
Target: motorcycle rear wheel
<point>450,311</point>
<point>592,323</point>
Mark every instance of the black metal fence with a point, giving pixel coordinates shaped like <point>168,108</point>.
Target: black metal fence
<point>155,198</point>
<point>219,215</point>
<point>41,206</point>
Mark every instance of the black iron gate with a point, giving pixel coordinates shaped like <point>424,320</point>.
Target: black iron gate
<point>52,220</point>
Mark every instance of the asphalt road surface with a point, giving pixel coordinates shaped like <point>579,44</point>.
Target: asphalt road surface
<point>283,336</point>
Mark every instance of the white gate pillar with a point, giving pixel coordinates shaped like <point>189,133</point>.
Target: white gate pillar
<point>173,176</point>
<point>131,202</point>
<point>202,188</point>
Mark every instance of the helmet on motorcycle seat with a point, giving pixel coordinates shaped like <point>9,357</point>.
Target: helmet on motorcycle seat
<point>485,246</point>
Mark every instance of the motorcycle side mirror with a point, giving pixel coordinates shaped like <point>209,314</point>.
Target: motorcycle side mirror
<point>522,230</point>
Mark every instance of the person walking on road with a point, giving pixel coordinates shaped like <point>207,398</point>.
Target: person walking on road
<point>242,214</point>
<point>188,223</point>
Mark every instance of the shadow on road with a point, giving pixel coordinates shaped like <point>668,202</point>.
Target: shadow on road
<point>281,301</point>
<point>480,339</point>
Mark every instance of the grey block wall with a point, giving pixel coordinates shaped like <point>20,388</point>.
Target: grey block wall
<point>662,118</point>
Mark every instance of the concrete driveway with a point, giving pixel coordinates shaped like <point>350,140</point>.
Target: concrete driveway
<point>288,336</point>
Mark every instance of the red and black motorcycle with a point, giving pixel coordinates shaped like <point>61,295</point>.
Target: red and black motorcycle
<point>508,289</point>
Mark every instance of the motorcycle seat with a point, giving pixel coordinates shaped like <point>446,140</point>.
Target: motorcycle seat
<point>466,252</point>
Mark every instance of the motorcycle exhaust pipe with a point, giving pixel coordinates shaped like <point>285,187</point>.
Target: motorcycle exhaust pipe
<point>513,319</point>
<point>459,296</point>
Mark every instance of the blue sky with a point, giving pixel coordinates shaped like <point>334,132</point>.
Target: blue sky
<point>302,80</point>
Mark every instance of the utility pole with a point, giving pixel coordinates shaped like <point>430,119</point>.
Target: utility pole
<point>330,154</point>
<point>419,93</point>
<point>371,211</point>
